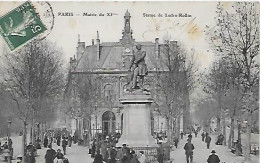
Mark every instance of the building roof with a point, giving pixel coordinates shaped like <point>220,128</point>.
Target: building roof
<point>112,54</point>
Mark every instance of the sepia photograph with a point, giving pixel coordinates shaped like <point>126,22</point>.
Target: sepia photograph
<point>129,81</point>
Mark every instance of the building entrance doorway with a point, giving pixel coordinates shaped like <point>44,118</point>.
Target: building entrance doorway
<point>108,122</point>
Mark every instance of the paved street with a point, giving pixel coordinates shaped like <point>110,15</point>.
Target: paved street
<point>201,153</point>
<point>78,154</point>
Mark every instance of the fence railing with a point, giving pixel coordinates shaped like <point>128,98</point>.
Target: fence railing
<point>149,152</point>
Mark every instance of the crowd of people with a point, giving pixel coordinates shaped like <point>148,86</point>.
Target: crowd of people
<point>7,149</point>
<point>105,150</point>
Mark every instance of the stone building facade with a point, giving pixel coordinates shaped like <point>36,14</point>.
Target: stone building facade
<point>111,61</point>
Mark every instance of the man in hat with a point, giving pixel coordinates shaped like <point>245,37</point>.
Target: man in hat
<point>98,157</point>
<point>50,155</point>
<point>160,153</point>
<point>213,158</point>
<point>138,67</point>
<point>189,136</point>
<point>119,155</point>
<point>59,156</point>
<point>126,154</point>
<point>112,155</point>
<point>208,140</point>
<point>189,147</point>
<point>203,136</point>
<point>142,158</point>
<point>64,145</point>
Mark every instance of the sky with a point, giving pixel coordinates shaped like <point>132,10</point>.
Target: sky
<point>189,31</point>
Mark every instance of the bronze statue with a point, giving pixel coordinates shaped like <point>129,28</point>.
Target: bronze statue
<point>138,69</point>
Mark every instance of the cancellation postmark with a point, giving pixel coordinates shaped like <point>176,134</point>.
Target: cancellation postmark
<point>21,25</point>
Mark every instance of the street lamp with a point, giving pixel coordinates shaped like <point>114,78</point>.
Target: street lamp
<point>38,129</point>
<point>9,143</point>
<point>8,128</point>
<point>238,149</point>
<point>94,129</point>
<point>161,125</point>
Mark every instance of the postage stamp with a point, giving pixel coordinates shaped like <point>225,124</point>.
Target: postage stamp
<point>21,25</point>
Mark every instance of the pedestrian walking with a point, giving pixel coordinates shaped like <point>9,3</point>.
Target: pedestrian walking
<point>176,141</point>
<point>190,136</point>
<point>5,145</point>
<point>38,143</point>
<point>50,155</point>
<point>58,140</point>
<point>213,158</point>
<point>45,141</point>
<point>203,136</point>
<point>70,140</point>
<point>98,157</point>
<point>59,156</point>
<point>126,154</point>
<point>182,135</point>
<point>30,153</point>
<point>93,149</point>
<point>160,153</point>
<point>112,155</point>
<point>104,151</point>
<point>134,158</point>
<point>208,140</point>
<point>196,133</point>
<point>189,147</point>
<point>119,155</point>
<point>64,145</point>
<point>142,157</point>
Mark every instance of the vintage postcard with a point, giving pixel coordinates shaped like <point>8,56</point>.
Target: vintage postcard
<point>129,82</point>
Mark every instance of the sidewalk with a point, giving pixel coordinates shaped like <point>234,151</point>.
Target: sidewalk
<point>75,154</point>
<point>201,152</point>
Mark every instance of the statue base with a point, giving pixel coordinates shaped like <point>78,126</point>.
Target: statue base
<point>137,120</point>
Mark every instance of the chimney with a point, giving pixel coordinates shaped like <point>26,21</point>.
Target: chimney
<point>98,46</point>
<point>80,48</point>
<point>72,63</point>
<point>173,45</point>
<point>157,52</point>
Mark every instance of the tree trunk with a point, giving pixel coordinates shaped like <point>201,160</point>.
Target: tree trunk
<point>167,149</point>
<point>224,131</point>
<point>178,124</point>
<point>248,137</point>
<point>218,126</point>
<point>24,141</point>
<point>231,134</point>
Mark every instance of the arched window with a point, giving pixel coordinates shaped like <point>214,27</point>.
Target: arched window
<point>108,122</point>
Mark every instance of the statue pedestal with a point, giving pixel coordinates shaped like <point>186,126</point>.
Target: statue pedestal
<point>137,121</point>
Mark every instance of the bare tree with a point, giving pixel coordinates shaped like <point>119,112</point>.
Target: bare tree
<point>205,110</point>
<point>236,36</point>
<point>83,91</point>
<point>33,76</point>
<point>173,80</point>
<point>215,84</point>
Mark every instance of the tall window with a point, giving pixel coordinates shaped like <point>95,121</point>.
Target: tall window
<point>109,93</point>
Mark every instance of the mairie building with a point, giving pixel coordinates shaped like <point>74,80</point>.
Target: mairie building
<point>111,61</point>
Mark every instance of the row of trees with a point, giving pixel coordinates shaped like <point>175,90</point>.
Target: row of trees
<point>34,80</point>
<point>174,79</point>
<point>232,82</point>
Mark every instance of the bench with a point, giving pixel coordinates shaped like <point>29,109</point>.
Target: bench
<point>254,149</point>
<point>233,150</point>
